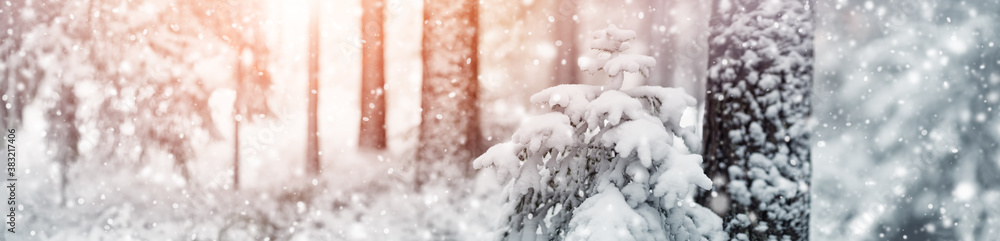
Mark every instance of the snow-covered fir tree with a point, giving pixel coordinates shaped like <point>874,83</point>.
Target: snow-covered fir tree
<point>603,164</point>
<point>756,122</point>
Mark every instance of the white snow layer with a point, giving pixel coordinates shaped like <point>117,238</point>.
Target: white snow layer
<point>610,43</point>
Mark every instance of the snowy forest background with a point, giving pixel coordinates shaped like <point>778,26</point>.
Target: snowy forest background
<point>129,112</point>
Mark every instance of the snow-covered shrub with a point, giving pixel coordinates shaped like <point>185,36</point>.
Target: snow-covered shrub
<point>603,165</point>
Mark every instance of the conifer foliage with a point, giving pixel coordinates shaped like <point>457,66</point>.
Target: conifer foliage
<point>603,165</point>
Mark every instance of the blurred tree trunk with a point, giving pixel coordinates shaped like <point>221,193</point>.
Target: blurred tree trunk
<point>240,24</point>
<point>11,100</point>
<point>372,131</point>
<point>449,130</point>
<point>567,41</point>
<point>9,110</point>
<point>238,76</point>
<point>21,72</point>
<point>312,137</point>
<point>662,43</point>
<point>756,142</point>
<point>64,135</point>
<point>236,152</point>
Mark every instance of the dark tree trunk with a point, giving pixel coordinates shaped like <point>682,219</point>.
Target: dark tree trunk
<point>756,142</point>
<point>449,129</point>
<point>312,141</point>
<point>372,132</point>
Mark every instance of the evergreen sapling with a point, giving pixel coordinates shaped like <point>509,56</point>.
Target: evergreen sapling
<point>603,164</point>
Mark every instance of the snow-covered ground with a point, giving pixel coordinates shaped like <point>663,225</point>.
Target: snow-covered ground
<point>361,196</point>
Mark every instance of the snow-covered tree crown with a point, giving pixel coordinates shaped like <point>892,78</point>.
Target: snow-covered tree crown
<point>610,43</point>
<point>603,164</point>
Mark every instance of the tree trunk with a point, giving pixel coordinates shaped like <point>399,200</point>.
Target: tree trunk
<point>64,134</point>
<point>312,141</point>
<point>449,130</point>
<point>756,142</point>
<point>238,114</point>
<point>372,131</point>
<point>567,40</point>
<point>236,146</point>
<point>661,42</point>
<point>9,99</point>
